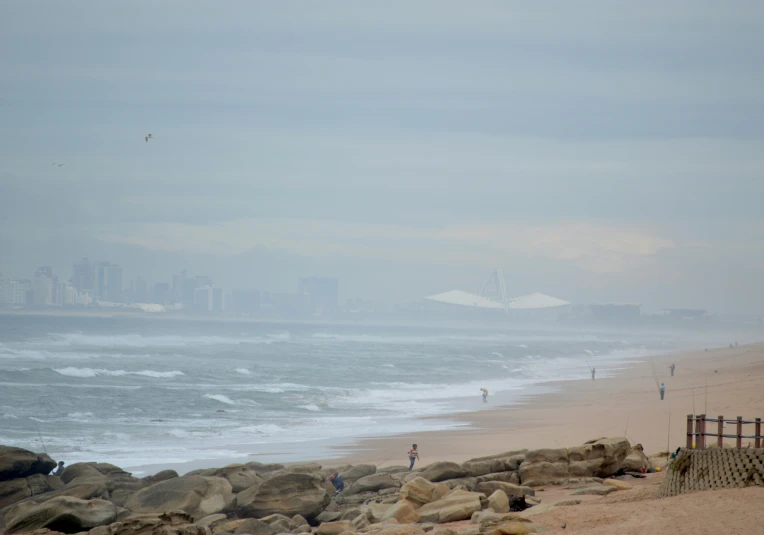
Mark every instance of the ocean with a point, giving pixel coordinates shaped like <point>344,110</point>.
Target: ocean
<point>138,392</point>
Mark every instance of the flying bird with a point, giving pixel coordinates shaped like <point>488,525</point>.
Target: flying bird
<point>60,165</point>
<point>149,137</point>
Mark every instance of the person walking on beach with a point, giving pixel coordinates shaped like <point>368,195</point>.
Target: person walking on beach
<point>593,371</point>
<point>672,367</point>
<point>413,456</point>
<point>663,391</point>
<point>485,394</point>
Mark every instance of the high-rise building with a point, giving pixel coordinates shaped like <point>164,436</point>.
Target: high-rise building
<point>161,293</point>
<point>203,299</point>
<point>218,300</point>
<point>178,286</point>
<point>140,290</point>
<point>322,293</point>
<point>42,288</point>
<point>66,294</point>
<point>18,292</point>
<point>83,275</point>
<point>109,282</point>
<point>189,293</point>
<point>245,302</point>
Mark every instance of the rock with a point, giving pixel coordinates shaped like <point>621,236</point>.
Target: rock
<point>64,514</point>
<point>636,460</point>
<point>229,526</point>
<point>16,463</point>
<point>372,483</point>
<point>335,528</point>
<point>498,502</point>
<point>209,520</point>
<point>403,529</point>
<point>302,529</point>
<point>164,475</point>
<point>600,490</point>
<point>599,458</point>
<point>261,468</point>
<point>514,527</point>
<point>467,482</point>
<point>280,523</point>
<point>420,491</point>
<point>489,487</point>
<point>328,516</point>
<point>403,511</point>
<point>532,500</point>
<point>15,490</point>
<point>82,472</point>
<point>299,520</point>
<point>580,483</point>
<point>506,477</point>
<point>566,503</point>
<point>240,476</point>
<point>375,511</point>
<point>152,524</point>
<point>441,471</point>
<point>198,496</point>
<point>619,485</point>
<point>304,468</point>
<point>457,505</point>
<point>537,510</point>
<point>253,526</point>
<point>396,469</point>
<point>357,472</point>
<point>286,493</point>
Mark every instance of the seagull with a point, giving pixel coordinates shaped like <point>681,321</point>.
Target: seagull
<point>149,137</point>
<point>60,165</point>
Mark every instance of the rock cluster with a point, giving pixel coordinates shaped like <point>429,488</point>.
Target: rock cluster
<point>260,499</point>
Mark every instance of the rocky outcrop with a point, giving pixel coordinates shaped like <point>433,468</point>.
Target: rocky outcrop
<point>252,526</point>
<point>596,458</point>
<point>261,468</point>
<point>175,523</point>
<point>15,490</point>
<point>240,476</point>
<point>403,511</point>
<point>498,502</point>
<point>64,514</point>
<point>442,471</point>
<point>16,463</point>
<point>420,491</point>
<point>636,460</point>
<point>457,505</point>
<point>372,483</point>
<point>197,496</point>
<point>164,475</point>
<point>489,487</point>
<point>355,473</point>
<point>288,493</point>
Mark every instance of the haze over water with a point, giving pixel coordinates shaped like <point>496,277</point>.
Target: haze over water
<point>136,392</point>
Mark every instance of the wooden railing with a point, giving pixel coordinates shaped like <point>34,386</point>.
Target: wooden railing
<point>697,437</point>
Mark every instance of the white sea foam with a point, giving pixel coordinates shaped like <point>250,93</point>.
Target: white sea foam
<point>221,398</point>
<point>311,407</point>
<point>71,371</point>
<point>140,341</point>
<point>9,416</point>
<point>243,371</point>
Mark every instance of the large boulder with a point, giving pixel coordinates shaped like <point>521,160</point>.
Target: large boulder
<point>420,491</point>
<point>358,471</point>
<point>261,468</point>
<point>498,502</point>
<point>372,483</point>
<point>109,477</point>
<point>253,526</point>
<point>507,477</point>
<point>198,496</point>
<point>64,514</point>
<point>82,473</point>
<point>286,493</point>
<point>395,469</point>
<point>440,471</point>
<point>636,460</point>
<point>489,487</point>
<point>468,483</point>
<point>16,463</point>
<point>598,458</point>
<point>457,505</point>
<point>403,511</point>
<point>175,523</point>
<point>240,476</point>
<point>164,475</point>
<point>15,490</point>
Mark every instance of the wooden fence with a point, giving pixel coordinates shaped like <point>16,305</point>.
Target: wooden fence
<point>696,435</point>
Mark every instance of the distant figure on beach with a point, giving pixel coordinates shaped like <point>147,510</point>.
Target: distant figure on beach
<point>413,456</point>
<point>663,391</point>
<point>672,367</point>
<point>485,394</point>
<point>59,469</point>
<point>338,482</point>
<point>593,371</point>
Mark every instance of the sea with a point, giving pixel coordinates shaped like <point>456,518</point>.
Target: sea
<point>149,392</point>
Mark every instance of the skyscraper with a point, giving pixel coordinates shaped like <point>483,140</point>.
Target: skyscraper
<point>42,287</point>
<point>83,276</point>
<point>109,282</point>
<point>322,292</point>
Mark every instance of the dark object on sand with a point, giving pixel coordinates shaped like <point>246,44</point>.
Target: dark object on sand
<point>517,503</point>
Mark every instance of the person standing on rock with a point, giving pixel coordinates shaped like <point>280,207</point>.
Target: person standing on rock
<point>338,482</point>
<point>663,391</point>
<point>413,456</point>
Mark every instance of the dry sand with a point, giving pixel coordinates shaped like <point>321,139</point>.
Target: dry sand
<point>582,410</point>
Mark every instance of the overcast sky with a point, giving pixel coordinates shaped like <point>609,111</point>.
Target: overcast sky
<point>594,150</point>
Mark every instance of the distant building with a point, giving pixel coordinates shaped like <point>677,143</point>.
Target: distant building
<point>18,292</point>
<point>83,275</point>
<point>109,282</point>
<point>203,299</point>
<point>42,287</point>
<point>245,302</point>
<point>161,293</point>
<point>188,296</point>
<point>684,313</point>
<point>178,286</point>
<point>616,311</point>
<point>321,293</point>
<point>218,300</point>
<point>140,290</point>
<point>66,294</point>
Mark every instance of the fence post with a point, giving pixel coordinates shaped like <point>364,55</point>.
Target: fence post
<point>720,432</point>
<point>757,440</point>
<point>739,432</point>
<point>699,423</point>
<point>689,431</point>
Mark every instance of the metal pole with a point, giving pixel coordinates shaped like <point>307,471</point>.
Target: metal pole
<point>720,432</point>
<point>757,440</point>
<point>739,432</point>
<point>690,417</point>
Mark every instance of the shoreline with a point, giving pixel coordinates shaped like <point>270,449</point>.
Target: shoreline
<point>554,414</point>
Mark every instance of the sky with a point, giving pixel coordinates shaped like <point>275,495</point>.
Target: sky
<point>593,150</point>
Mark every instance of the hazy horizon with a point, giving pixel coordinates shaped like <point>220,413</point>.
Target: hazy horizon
<point>593,154</point>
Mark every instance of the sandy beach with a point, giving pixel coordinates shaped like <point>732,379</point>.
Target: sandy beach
<point>716,381</point>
